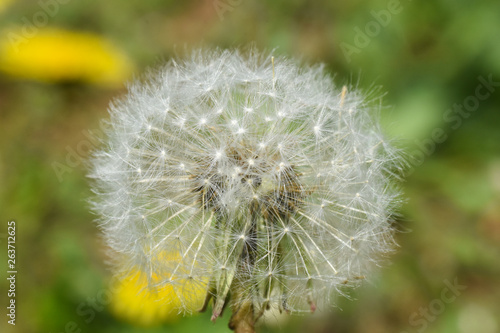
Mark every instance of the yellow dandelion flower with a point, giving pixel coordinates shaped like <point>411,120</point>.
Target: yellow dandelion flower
<point>148,303</point>
<point>55,55</point>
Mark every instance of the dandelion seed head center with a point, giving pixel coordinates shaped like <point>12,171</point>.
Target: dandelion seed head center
<point>238,182</point>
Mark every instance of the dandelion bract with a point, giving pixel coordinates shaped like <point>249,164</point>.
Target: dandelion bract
<point>272,186</point>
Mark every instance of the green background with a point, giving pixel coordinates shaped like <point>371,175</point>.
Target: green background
<point>426,57</point>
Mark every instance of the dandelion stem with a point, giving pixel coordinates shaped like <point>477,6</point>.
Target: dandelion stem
<point>242,320</point>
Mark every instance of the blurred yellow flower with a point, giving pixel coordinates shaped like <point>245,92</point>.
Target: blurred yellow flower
<point>54,55</point>
<point>147,304</point>
<point>4,4</point>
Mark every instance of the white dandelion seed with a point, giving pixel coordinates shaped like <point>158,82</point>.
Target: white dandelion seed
<point>272,188</point>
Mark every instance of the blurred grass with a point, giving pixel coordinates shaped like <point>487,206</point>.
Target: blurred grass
<point>427,58</point>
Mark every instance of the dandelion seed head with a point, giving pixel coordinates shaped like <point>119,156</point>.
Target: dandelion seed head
<point>263,179</point>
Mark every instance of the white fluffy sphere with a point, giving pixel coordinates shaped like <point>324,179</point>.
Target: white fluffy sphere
<point>249,177</point>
